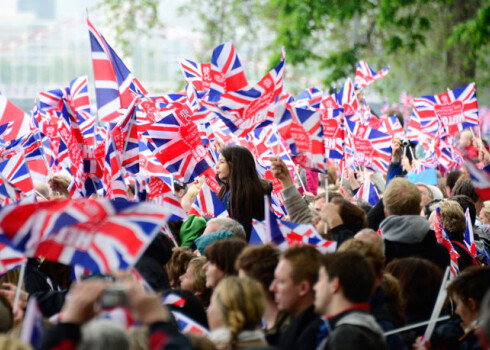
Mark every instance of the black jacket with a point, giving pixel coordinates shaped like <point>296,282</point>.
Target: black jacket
<point>290,338</point>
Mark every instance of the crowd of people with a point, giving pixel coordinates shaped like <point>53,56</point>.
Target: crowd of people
<point>386,273</point>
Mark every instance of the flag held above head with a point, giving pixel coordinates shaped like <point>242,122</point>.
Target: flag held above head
<point>365,75</point>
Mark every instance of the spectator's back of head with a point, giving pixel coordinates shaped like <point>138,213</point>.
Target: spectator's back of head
<point>452,178</point>
<point>369,250</point>
<point>102,334</point>
<point>368,234</point>
<point>420,280</point>
<point>453,219</point>
<point>465,186</point>
<point>466,203</point>
<point>354,218</point>
<point>402,198</point>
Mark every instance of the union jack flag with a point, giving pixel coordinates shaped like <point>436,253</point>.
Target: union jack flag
<point>469,238</point>
<point>456,109</point>
<point>207,203</point>
<point>14,117</point>
<point>386,105</point>
<point>371,147</point>
<point>115,185</point>
<point>77,95</point>
<point>175,142</point>
<point>333,132</point>
<point>100,235</point>
<point>365,75</point>
<point>15,171</point>
<point>307,132</point>
<point>444,240</point>
<point>112,77</point>
<point>160,192</point>
<point>8,193</point>
<point>173,299</point>
<point>392,126</point>
<point>480,179</point>
<point>10,258</point>
<point>197,74</point>
<point>125,135</point>
<point>227,73</point>
<point>310,98</point>
<point>347,99</point>
<point>367,193</point>
<point>244,110</point>
<point>188,325</point>
<point>298,234</point>
<point>51,100</point>
<point>406,100</point>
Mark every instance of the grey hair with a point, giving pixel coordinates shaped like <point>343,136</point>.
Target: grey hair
<point>227,224</point>
<point>103,334</point>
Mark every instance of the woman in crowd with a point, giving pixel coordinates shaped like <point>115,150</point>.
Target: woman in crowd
<point>243,191</point>
<point>235,314</point>
<point>194,280</point>
<point>221,257</point>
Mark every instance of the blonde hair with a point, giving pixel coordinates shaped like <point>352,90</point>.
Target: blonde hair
<point>241,303</point>
<point>452,217</point>
<point>486,209</point>
<point>402,198</point>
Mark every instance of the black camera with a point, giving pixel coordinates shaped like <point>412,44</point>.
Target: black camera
<point>405,143</point>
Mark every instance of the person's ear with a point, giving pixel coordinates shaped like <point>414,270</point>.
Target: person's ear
<point>473,305</point>
<point>304,287</point>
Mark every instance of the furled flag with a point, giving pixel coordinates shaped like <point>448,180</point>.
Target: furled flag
<point>227,73</point>
<point>456,109</point>
<point>333,132</point>
<point>207,203</point>
<point>112,78</point>
<point>188,325</point>
<point>15,118</point>
<point>33,325</point>
<point>100,235</point>
<point>444,240</point>
<point>372,148</point>
<point>469,238</point>
<point>10,258</point>
<point>366,76</point>
<point>367,193</point>
<point>347,99</point>
<point>243,110</point>
<point>15,171</point>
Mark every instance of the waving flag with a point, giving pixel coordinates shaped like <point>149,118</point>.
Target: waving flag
<point>207,203</point>
<point>33,325</point>
<point>347,99</point>
<point>10,258</point>
<point>480,179</point>
<point>392,126</point>
<point>371,148</point>
<point>444,240</point>
<point>188,325</point>
<point>114,183</point>
<point>112,77</point>
<point>175,142</point>
<point>469,238</point>
<point>299,234</point>
<point>100,235</point>
<point>367,193</point>
<point>310,98</point>
<point>197,74</point>
<point>456,109</point>
<point>307,132</point>
<point>15,171</point>
<point>126,139</point>
<point>244,110</point>
<point>16,120</point>
<point>227,74</point>
<point>365,75</point>
<point>333,132</point>
<point>159,192</point>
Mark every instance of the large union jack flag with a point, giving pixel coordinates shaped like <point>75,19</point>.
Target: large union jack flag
<point>370,147</point>
<point>112,78</point>
<point>456,109</point>
<point>100,235</point>
<point>9,257</point>
<point>16,120</point>
<point>243,110</point>
<point>226,72</point>
<point>365,75</point>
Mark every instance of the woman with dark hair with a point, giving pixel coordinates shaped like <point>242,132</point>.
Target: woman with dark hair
<point>243,191</point>
<point>221,257</point>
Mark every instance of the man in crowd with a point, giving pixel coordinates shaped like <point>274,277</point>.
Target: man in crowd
<point>345,283</point>
<point>294,278</point>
